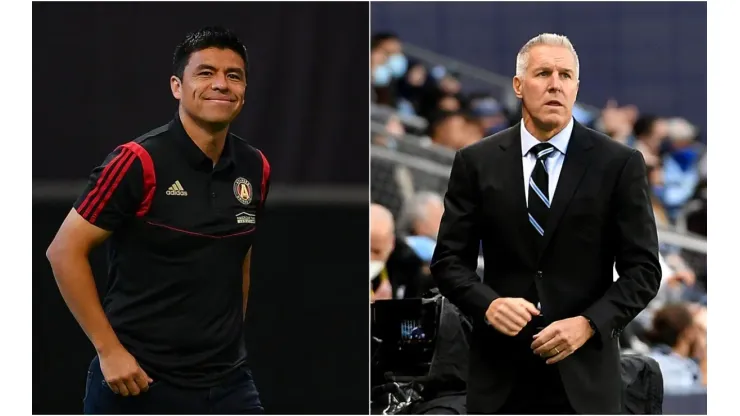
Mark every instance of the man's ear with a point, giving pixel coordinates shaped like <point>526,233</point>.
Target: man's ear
<point>176,87</point>
<point>517,84</point>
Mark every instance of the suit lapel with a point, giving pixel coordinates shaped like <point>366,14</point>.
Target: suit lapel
<point>574,166</point>
<point>515,191</point>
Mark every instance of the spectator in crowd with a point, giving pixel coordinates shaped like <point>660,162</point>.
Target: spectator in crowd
<point>680,166</point>
<point>414,90</point>
<point>489,115</point>
<point>649,133</point>
<point>423,213</point>
<point>449,102</point>
<point>391,45</point>
<point>382,241</point>
<point>657,188</point>
<point>381,76</point>
<point>453,130</point>
<point>617,122</point>
<point>396,271</point>
<point>679,345</point>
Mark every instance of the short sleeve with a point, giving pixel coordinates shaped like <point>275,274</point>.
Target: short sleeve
<point>265,186</point>
<point>114,191</point>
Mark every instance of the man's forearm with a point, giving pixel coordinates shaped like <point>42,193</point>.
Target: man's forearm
<point>74,277</point>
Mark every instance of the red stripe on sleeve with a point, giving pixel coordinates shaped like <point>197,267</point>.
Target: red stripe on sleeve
<point>112,188</point>
<point>150,180</point>
<point>107,179</point>
<point>265,176</point>
<point>101,179</point>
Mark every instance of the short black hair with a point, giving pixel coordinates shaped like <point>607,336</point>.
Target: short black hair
<point>204,38</point>
<point>644,125</point>
<point>379,38</point>
<point>440,117</point>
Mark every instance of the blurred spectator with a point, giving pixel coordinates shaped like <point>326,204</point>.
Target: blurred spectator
<point>396,271</point>
<point>489,115</point>
<point>414,90</point>
<point>617,122</point>
<point>649,133</point>
<point>381,76</point>
<point>680,165</point>
<point>394,126</point>
<point>423,213</point>
<point>679,345</point>
<point>382,241</point>
<point>453,130</point>
<point>657,188</point>
<point>449,103</point>
<point>391,45</point>
<point>449,82</point>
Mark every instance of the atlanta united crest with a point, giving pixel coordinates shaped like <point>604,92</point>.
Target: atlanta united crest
<point>243,191</point>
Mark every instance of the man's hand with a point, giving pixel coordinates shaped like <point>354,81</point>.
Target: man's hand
<point>122,372</point>
<point>510,315</point>
<point>562,338</point>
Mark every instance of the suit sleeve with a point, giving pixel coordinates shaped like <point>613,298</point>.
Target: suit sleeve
<point>114,191</point>
<point>637,259</point>
<point>455,258</point>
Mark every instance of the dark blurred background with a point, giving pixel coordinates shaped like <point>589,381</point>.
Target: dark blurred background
<point>441,79</point>
<point>101,78</point>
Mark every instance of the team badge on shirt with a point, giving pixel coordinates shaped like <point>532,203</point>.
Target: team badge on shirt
<point>243,191</point>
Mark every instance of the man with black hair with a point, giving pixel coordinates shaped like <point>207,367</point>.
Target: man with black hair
<point>391,45</point>
<point>179,206</point>
<point>650,132</point>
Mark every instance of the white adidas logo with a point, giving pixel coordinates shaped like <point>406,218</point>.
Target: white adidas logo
<point>176,190</point>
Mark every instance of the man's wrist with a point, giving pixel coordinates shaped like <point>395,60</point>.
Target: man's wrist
<point>590,324</point>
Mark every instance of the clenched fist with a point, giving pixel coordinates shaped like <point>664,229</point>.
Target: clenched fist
<point>510,315</point>
<point>122,372</point>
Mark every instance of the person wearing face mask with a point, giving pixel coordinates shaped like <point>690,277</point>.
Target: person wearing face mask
<point>382,243</point>
<point>381,76</point>
<point>554,205</point>
<point>391,45</point>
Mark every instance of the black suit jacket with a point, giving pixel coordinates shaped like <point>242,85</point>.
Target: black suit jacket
<point>600,213</point>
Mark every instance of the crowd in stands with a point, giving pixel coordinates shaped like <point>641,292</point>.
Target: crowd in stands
<point>673,327</point>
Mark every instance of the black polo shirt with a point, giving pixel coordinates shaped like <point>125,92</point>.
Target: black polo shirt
<point>181,231</point>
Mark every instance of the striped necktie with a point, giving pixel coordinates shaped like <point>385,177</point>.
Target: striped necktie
<point>539,200</point>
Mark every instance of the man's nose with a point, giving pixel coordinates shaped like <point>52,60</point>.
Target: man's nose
<point>555,84</point>
<point>219,82</point>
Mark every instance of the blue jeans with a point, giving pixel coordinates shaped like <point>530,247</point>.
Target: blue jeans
<point>236,395</point>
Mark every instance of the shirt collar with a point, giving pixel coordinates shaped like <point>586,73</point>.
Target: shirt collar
<point>194,155</point>
<point>559,141</point>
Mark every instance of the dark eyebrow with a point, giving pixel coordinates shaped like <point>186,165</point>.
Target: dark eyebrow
<point>212,68</point>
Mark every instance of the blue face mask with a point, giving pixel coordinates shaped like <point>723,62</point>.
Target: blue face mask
<point>397,64</point>
<point>381,76</point>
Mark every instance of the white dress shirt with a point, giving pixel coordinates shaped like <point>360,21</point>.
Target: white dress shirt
<point>553,164</point>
